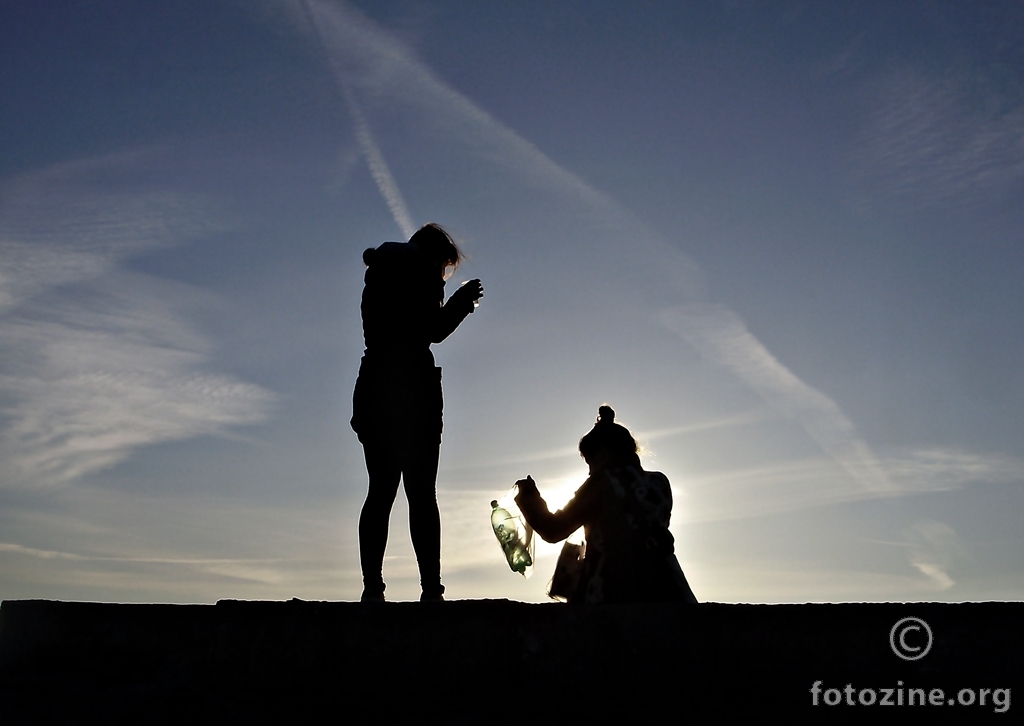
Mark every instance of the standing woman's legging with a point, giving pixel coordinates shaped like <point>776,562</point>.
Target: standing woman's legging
<point>416,465</point>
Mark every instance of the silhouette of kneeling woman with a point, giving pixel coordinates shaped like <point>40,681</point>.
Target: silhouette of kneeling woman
<point>397,403</point>
<point>624,512</point>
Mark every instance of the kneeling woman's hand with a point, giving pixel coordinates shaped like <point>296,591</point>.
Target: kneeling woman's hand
<point>527,485</point>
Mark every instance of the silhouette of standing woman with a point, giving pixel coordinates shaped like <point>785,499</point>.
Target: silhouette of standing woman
<point>397,403</point>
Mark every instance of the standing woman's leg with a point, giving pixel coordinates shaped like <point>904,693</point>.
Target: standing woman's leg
<point>420,472</point>
<point>384,470</point>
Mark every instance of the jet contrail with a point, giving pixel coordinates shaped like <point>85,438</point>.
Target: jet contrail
<point>719,333</point>
<point>374,158</point>
<point>368,59</point>
<point>378,167</point>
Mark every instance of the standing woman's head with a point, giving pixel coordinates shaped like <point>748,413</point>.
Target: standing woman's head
<point>439,245</point>
<point>608,443</point>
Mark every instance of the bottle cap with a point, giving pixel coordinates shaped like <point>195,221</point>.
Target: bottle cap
<point>494,503</point>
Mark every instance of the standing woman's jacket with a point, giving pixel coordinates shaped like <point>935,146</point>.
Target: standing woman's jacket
<point>398,391</point>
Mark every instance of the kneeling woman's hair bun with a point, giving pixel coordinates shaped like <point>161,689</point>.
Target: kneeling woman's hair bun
<point>610,437</point>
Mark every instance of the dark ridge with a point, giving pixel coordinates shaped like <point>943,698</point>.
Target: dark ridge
<point>494,661</point>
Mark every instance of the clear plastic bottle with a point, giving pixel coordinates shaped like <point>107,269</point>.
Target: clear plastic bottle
<point>514,543</point>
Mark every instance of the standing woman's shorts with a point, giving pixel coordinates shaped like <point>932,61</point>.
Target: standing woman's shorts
<point>397,402</point>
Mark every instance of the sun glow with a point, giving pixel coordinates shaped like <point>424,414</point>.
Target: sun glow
<point>557,493</point>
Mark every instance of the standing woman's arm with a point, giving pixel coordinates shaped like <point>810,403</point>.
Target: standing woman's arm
<point>461,303</point>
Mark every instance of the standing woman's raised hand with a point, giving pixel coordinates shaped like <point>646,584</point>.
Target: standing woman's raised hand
<point>471,291</point>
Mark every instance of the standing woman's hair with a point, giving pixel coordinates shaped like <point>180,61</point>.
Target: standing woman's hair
<point>432,239</point>
<point>612,438</point>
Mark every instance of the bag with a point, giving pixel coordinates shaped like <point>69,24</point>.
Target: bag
<point>568,569</point>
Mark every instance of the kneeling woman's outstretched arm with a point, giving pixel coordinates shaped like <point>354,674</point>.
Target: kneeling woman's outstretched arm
<point>551,526</point>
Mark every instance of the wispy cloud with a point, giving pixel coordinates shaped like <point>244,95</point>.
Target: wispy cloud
<point>157,572</point>
<point>96,389</point>
<point>71,222</point>
<point>41,554</point>
<point>814,482</point>
<point>187,546</point>
<point>724,422</point>
<point>935,138</point>
<point>935,550</point>
<point>767,489</point>
<point>54,554</point>
<point>938,469</point>
<point>721,336</point>
<point>642,437</point>
<point>95,361</point>
<point>786,582</point>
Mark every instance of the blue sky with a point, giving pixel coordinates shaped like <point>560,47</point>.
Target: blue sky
<point>782,240</point>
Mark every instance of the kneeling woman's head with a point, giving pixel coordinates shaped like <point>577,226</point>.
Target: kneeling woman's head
<point>608,444</point>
